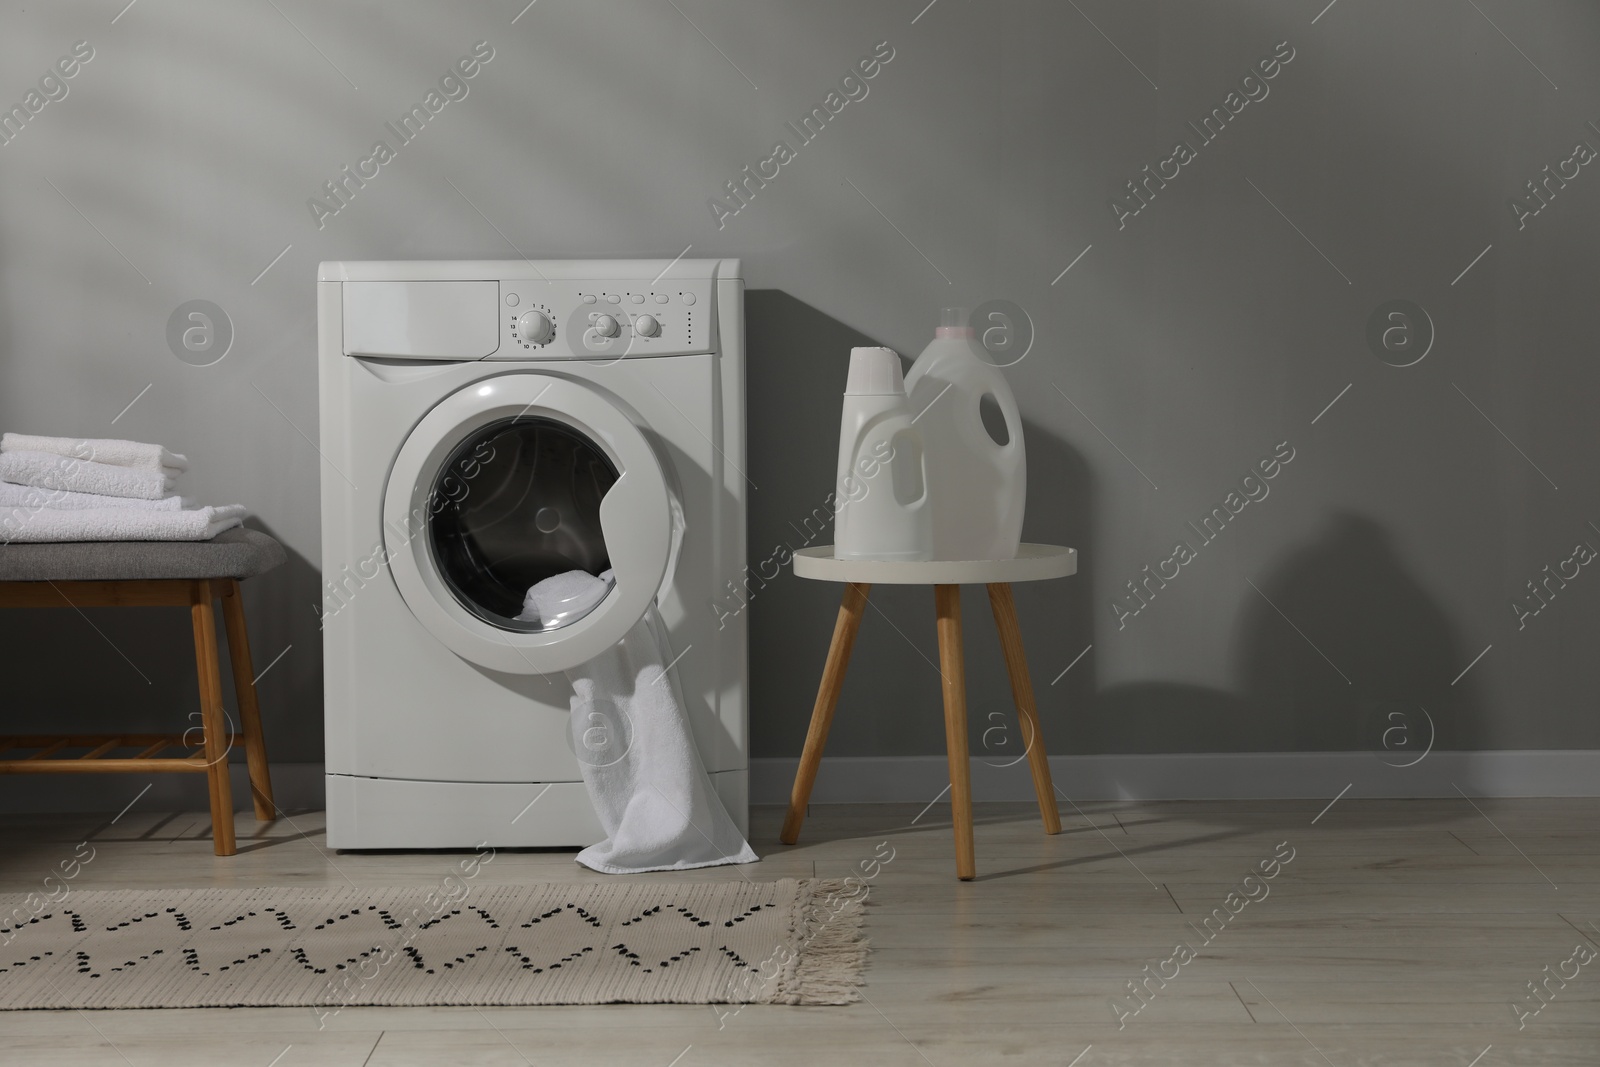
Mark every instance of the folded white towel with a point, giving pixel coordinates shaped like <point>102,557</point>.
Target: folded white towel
<point>45,470</point>
<point>117,524</point>
<point>27,496</point>
<point>134,454</point>
<point>636,750</point>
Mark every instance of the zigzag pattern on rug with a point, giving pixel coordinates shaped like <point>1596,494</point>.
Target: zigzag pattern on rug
<point>510,945</point>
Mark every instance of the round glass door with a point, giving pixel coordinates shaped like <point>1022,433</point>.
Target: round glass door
<point>522,480</point>
<point>518,502</point>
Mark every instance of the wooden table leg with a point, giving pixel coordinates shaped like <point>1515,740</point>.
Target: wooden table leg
<point>844,639</point>
<point>212,719</point>
<point>1005,620</point>
<point>952,669</point>
<point>255,746</point>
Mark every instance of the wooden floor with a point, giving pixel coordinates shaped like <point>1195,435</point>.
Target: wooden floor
<point>1400,933</point>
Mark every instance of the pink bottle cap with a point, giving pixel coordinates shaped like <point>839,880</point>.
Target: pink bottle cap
<point>953,323</point>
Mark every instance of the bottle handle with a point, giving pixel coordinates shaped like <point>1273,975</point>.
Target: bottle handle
<point>1013,421</point>
<point>1007,403</point>
<point>908,448</point>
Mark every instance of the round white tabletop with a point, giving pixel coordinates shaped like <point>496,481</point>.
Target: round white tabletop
<point>1033,563</point>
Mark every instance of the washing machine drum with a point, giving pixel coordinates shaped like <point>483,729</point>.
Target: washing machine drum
<point>517,480</point>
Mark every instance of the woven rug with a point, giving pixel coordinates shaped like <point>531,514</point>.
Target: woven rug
<point>734,942</point>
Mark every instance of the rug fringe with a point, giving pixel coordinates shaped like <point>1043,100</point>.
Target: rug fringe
<point>830,951</point>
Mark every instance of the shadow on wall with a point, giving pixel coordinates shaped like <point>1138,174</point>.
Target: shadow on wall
<point>1384,651</point>
<point>290,692</point>
<point>891,704</point>
<point>1381,682</point>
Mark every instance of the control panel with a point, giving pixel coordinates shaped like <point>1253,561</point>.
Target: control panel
<point>542,319</point>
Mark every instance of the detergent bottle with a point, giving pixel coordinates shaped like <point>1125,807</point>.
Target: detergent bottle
<point>882,508</point>
<point>978,480</point>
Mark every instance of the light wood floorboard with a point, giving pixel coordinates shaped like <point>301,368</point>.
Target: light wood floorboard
<point>1399,934</point>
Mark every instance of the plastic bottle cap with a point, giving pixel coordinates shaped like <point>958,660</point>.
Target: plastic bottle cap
<point>953,323</point>
<point>875,372</point>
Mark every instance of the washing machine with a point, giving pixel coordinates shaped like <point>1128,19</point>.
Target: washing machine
<point>487,425</point>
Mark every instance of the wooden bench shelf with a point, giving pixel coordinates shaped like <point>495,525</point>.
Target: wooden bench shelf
<point>50,757</point>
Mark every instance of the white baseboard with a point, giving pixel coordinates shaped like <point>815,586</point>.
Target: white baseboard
<point>1198,776</point>
<point>918,779</point>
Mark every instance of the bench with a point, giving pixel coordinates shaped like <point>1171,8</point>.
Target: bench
<point>139,574</point>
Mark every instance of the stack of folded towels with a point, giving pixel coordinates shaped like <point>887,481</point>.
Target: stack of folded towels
<point>75,489</point>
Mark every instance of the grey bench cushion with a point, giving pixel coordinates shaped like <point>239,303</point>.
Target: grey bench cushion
<point>235,553</point>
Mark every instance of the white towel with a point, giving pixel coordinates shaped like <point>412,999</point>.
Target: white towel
<point>98,450</point>
<point>564,598</point>
<point>27,496</point>
<point>637,753</point>
<point>117,524</point>
<point>45,470</point>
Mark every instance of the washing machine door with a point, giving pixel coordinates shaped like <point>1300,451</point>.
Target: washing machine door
<point>509,482</point>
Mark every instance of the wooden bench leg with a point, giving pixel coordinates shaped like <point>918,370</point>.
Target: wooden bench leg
<point>212,719</point>
<point>953,671</point>
<point>255,746</point>
<point>1005,620</point>
<point>844,639</point>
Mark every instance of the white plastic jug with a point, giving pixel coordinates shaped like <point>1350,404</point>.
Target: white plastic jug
<point>978,485</point>
<point>882,509</point>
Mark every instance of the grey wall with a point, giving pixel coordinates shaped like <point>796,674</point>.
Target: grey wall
<point>1197,335</point>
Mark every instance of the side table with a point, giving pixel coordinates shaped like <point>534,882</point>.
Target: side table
<point>1032,563</point>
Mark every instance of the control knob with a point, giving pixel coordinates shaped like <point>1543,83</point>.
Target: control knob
<point>534,327</point>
